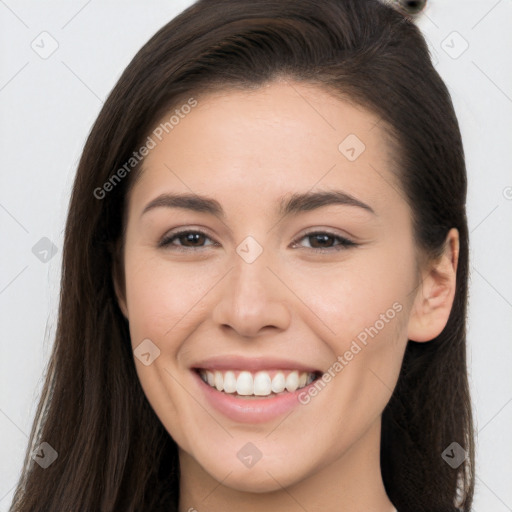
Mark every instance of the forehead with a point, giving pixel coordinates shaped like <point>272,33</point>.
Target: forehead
<point>283,137</point>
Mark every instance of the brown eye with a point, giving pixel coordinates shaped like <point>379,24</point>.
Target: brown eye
<point>325,241</point>
<point>321,241</point>
<point>191,238</point>
<point>187,239</point>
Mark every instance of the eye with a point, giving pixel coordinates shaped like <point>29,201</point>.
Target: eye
<point>188,239</point>
<point>322,241</point>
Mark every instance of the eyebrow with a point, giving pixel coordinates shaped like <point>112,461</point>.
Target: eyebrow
<point>296,203</point>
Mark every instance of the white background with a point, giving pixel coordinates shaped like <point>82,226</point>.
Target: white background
<point>48,107</point>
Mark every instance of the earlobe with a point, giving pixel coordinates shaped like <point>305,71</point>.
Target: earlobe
<point>434,298</point>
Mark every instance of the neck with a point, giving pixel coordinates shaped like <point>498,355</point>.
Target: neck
<point>352,483</point>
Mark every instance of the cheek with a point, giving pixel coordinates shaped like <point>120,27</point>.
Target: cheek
<point>368,292</point>
<point>163,298</point>
<point>360,309</point>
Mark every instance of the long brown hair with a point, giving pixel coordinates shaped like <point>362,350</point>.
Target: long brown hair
<point>113,452</point>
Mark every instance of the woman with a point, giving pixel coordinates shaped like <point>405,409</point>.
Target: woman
<point>264,276</point>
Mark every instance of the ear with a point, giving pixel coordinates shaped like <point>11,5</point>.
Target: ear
<point>434,298</point>
<point>118,278</point>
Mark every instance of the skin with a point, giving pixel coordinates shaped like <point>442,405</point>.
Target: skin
<point>247,149</point>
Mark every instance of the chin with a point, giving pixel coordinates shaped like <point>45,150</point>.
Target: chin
<point>257,481</point>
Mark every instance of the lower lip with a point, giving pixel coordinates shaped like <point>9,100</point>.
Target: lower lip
<point>250,410</point>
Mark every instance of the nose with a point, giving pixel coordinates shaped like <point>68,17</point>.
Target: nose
<point>252,300</point>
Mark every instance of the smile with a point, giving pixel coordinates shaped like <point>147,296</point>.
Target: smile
<point>252,390</point>
<point>261,383</point>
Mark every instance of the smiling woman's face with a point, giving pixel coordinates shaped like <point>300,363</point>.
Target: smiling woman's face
<point>265,282</point>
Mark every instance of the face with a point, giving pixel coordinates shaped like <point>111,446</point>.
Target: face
<point>285,281</point>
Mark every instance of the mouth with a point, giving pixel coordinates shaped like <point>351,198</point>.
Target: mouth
<point>246,384</point>
<point>253,390</point>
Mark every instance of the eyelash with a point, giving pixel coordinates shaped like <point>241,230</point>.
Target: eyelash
<point>344,243</point>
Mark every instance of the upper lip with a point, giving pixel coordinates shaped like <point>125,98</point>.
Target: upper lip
<point>235,362</point>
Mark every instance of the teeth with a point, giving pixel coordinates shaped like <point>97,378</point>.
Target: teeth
<point>229,382</point>
<point>278,383</point>
<point>219,381</point>
<point>244,384</point>
<point>292,381</point>
<point>262,384</point>
<point>259,384</point>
